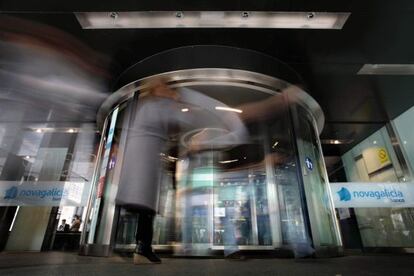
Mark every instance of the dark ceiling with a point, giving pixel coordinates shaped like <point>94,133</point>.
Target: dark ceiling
<point>328,60</point>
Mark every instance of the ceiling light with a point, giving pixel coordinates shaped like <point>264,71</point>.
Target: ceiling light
<point>387,69</point>
<point>71,130</point>
<point>228,161</point>
<point>275,144</point>
<point>375,142</point>
<point>38,130</point>
<point>224,108</point>
<point>212,19</point>
<point>336,141</point>
<point>172,158</point>
<point>185,110</point>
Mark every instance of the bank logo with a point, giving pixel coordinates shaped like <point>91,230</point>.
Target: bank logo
<point>392,195</point>
<point>344,194</point>
<point>11,193</point>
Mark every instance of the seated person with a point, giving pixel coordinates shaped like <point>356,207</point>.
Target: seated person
<point>64,227</point>
<point>75,224</point>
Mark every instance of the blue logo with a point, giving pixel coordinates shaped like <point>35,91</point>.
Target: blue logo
<point>11,193</point>
<point>344,194</point>
<point>309,163</point>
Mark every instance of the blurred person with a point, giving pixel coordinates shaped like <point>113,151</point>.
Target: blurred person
<point>140,176</point>
<point>49,73</point>
<point>273,108</point>
<point>158,114</point>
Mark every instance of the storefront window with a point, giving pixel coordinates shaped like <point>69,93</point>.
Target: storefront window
<point>45,177</point>
<point>374,160</point>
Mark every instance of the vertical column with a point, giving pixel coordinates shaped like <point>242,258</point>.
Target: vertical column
<point>102,214</point>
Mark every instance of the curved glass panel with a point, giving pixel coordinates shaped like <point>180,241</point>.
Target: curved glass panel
<point>225,173</point>
<point>315,182</point>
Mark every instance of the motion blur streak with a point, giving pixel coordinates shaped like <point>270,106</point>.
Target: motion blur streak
<point>48,74</point>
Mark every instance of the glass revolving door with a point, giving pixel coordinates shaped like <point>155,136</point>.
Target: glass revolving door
<point>230,167</point>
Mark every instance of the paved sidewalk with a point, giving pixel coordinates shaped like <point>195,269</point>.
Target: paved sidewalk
<point>57,263</point>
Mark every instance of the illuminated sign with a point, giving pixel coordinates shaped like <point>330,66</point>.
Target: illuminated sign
<point>44,193</point>
<point>369,194</point>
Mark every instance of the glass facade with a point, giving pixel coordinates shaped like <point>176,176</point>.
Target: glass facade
<point>45,174</point>
<point>376,160</point>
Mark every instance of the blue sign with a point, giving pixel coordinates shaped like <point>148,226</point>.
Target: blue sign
<point>392,195</point>
<point>43,193</point>
<point>11,193</point>
<point>372,194</point>
<point>309,163</point>
<point>344,194</point>
<point>55,194</point>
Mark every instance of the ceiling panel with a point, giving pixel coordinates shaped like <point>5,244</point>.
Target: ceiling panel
<point>355,106</point>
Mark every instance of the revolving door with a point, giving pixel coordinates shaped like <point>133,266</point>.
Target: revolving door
<point>242,171</point>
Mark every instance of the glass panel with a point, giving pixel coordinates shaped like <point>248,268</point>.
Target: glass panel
<point>45,172</point>
<point>403,127</point>
<point>194,203</point>
<point>380,227</point>
<point>320,208</point>
<point>264,233</point>
<point>233,210</point>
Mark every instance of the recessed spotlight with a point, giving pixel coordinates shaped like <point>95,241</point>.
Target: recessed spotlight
<point>224,108</point>
<point>172,158</point>
<point>113,15</point>
<point>228,161</point>
<point>374,142</point>
<point>336,141</point>
<point>310,15</point>
<point>245,14</point>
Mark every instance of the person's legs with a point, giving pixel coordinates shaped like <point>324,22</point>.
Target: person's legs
<point>143,252</point>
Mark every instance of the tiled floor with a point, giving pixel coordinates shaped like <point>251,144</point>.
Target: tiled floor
<point>57,263</point>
